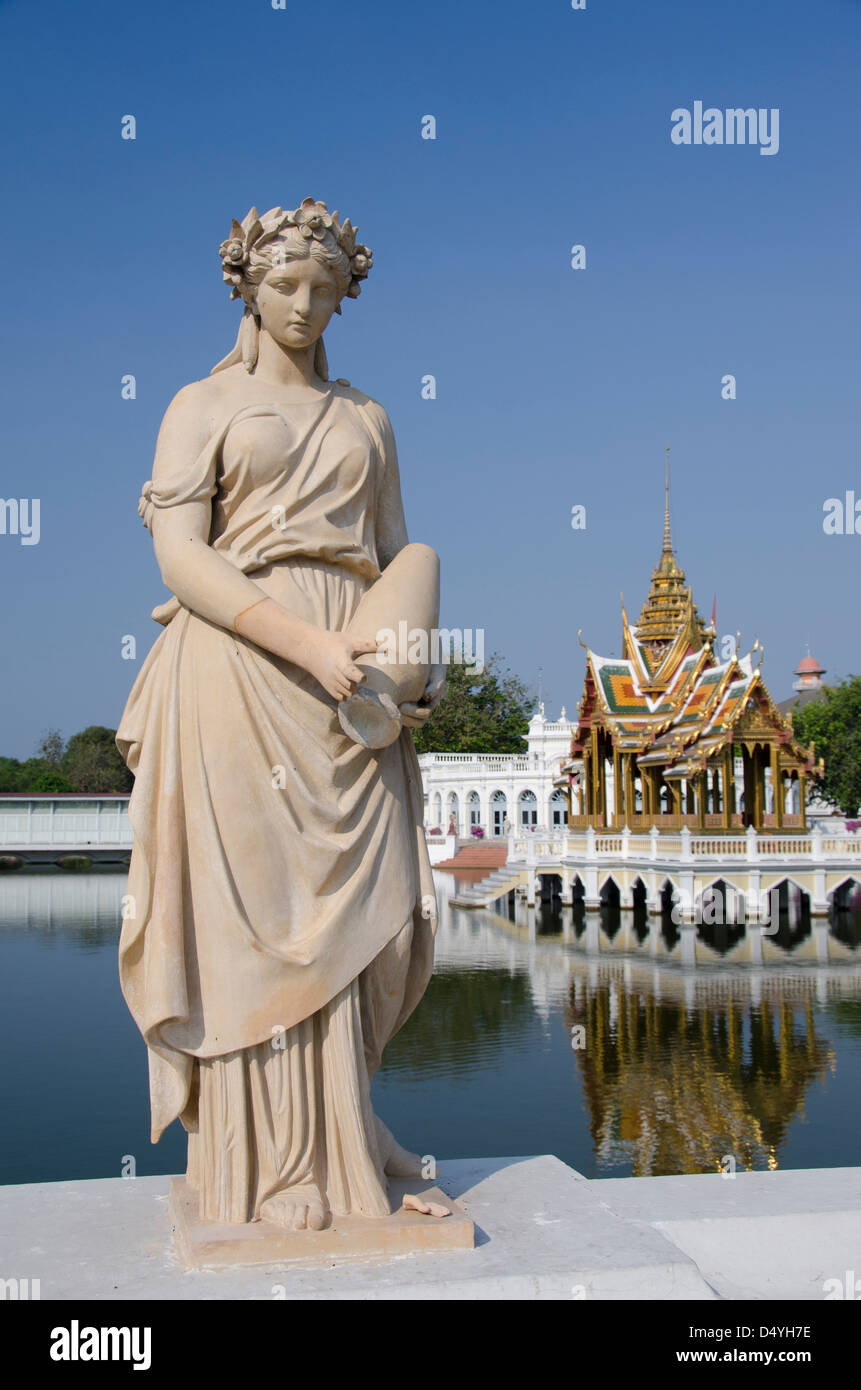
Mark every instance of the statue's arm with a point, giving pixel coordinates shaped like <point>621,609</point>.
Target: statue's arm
<point>202,580</point>
<point>208,584</point>
<point>390,525</point>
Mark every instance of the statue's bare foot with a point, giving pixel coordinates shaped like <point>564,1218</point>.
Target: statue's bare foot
<point>398,1162</point>
<point>298,1208</point>
<point>413,1203</point>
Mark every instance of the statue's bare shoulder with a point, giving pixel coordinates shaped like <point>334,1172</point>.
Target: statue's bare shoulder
<point>199,410</point>
<point>200,406</point>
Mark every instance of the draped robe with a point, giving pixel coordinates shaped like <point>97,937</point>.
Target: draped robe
<point>279,886</point>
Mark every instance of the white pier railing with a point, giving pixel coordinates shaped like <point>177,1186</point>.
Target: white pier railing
<point>684,847</point>
<point>64,822</point>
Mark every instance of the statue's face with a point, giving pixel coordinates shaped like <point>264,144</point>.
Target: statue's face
<point>295,301</point>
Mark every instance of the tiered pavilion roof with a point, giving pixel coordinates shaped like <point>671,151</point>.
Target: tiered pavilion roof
<point>679,726</point>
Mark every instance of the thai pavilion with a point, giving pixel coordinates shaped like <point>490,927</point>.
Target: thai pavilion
<point>670,735</point>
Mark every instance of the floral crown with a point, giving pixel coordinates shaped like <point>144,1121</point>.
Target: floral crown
<point>312,220</point>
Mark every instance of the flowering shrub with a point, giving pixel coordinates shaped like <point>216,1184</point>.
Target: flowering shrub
<point>436,831</point>
<point>478,832</point>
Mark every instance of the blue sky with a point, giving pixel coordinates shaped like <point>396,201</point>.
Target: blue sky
<point>554,386</point>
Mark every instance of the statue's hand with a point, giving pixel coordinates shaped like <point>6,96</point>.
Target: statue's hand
<point>414,714</point>
<point>330,658</point>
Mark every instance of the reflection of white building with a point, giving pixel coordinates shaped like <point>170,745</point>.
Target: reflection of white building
<point>485,789</point>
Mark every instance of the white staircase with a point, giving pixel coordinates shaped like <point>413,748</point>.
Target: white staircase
<point>494,886</point>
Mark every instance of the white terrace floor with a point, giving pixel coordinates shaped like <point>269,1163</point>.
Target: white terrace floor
<point>543,1232</point>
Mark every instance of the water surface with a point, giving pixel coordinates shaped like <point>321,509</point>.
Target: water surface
<point>676,1067</point>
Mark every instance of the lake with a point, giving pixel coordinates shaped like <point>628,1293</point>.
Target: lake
<point>542,1032</point>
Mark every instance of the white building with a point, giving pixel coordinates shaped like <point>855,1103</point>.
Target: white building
<point>486,789</point>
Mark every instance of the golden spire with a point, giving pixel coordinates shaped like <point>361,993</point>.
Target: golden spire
<point>668,608</point>
<point>668,544</point>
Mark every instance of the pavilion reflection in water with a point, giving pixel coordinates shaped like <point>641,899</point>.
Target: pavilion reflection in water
<point>675,1085</point>
<point>686,1066</point>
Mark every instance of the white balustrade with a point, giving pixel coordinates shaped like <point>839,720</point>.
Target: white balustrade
<point>45,823</point>
<point>687,847</point>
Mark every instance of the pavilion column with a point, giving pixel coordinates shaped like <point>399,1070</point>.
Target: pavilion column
<point>764,762</point>
<point>598,779</point>
<point>802,797</point>
<point>728,788</point>
<point>777,784</point>
<point>747,785</point>
<point>690,795</point>
<point>702,785</point>
<point>596,773</point>
<point>758,787</point>
<point>617,789</point>
<point>733,791</point>
<point>586,784</point>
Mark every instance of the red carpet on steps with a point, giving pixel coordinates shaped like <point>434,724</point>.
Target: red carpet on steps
<point>484,857</point>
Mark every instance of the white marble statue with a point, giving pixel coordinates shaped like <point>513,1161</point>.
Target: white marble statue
<point>281,899</point>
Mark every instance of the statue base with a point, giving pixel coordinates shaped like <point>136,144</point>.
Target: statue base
<point>210,1245</point>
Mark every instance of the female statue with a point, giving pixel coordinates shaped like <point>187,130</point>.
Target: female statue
<point>281,901</point>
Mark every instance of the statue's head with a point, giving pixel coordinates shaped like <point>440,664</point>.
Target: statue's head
<point>291,269</point>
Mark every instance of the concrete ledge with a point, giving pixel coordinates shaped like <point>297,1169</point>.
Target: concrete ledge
<point>207,1245</point>
<point>755,1235</point>
<point>542,1232</point>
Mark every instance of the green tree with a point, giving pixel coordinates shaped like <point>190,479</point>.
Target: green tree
<point>34,775</point>
<point>92,762</point>
<point>480,712</point>
<point>50,746</point>
<point>10,772</point>
<point>38,775</point>
<point>833,723</point>
<point>49,781</point>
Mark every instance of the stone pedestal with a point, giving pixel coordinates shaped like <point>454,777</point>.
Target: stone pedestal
<point>207,1244</point>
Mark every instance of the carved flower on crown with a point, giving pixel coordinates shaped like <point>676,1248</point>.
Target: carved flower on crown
<point>360,263</point>
<point>312,219</point>
<point>233,251</point>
